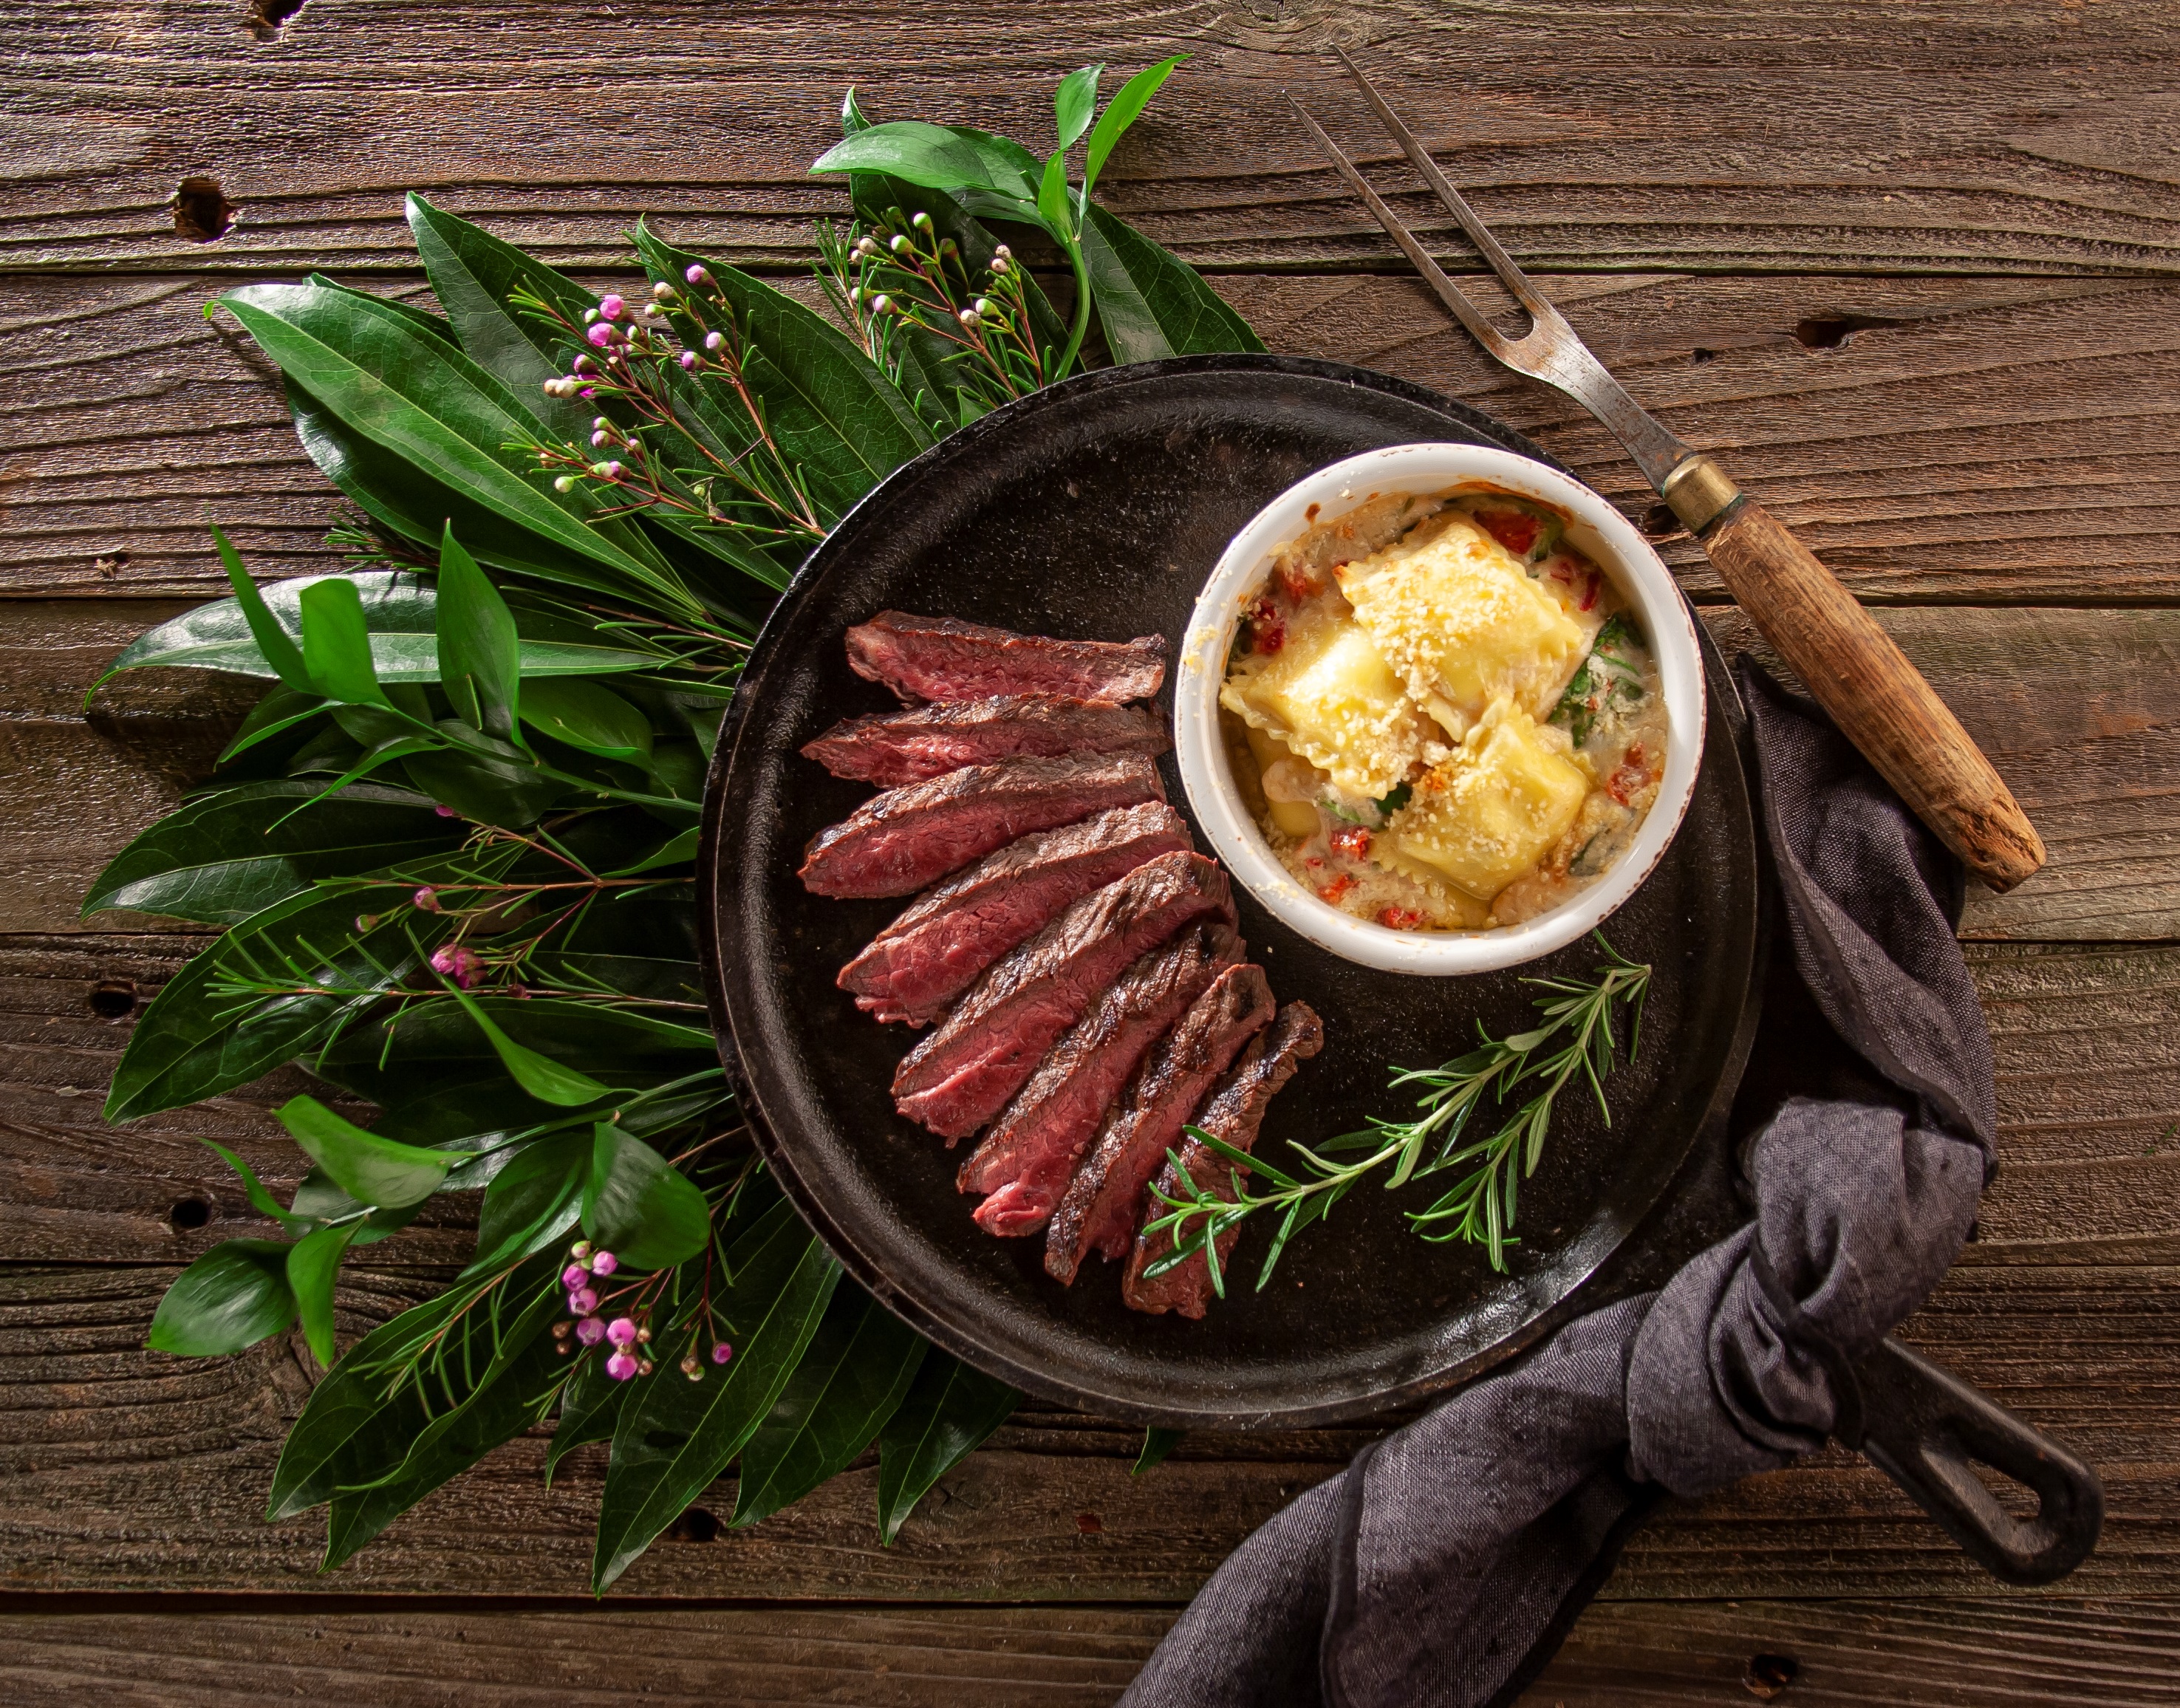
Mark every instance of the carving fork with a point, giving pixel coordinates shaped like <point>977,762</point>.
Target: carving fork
<point>1849,664</point>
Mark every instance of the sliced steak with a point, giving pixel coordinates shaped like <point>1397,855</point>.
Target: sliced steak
<point>1025,1159</point>
<point>899,841</point>
<point>962,1075</point>
<point>925,741</point>
<point>1234,1114</point>
<point>941,658</point>
<point>1104,1201</point>
<point>936,950</point>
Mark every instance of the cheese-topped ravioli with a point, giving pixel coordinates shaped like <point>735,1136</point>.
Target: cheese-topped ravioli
<point>1486,814</point>
<point>1462,623</point>
<point>1328,695</point>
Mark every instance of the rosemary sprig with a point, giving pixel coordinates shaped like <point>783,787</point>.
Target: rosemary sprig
<point>1480,1207</point>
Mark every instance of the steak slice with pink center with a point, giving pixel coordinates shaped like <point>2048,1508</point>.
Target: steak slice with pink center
<point>920,743</point>
<point>944,659</point>
<point>1103,1203</point>
<point>899,841</point>
<point>963,1074</point>
<point>936,949</point>
<point>1235,1114</point>
<point>1028,1157</point>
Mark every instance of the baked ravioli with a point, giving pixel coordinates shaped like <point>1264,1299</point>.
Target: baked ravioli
<point>1443,717</point>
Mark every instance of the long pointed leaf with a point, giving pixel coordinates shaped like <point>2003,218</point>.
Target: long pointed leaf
<point>480,655</point>
<point>951,1411</point>
<point>1151,303</point>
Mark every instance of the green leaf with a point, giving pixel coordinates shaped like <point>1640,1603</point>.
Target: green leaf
<point>839,421</point>
<point>400,611</point>
<point>336,645</point>
<point>439,411</point>
<point>639,1206</point>
<point>194,1042</point>
<point>221,857</point>
<point>484,787</point>
<point>318,1198</point>
<point>1074,102</point>
<point>543,1077</point>
<point>950,1412</point>
<point>1151,303</point>
<point>313,1266</point>
<point>589,716</point>
<point>480,654</point>
<point>675,851</point>
<point>533,1201</point>
<point>369,1168</point>
<point>231,1298</point>
<point>1125,109</point>
<point>675,1437</point>
<point>282,656</point>
<point>851,114</point>
<point>934,156</point>
<point>1157,1444</point>
<point>1051,194</point>
<point>590,1406</point>
<point>253,1188</point>
<point>851,1379</point>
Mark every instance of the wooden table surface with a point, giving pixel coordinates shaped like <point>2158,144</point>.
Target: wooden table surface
<point>1912,266</point>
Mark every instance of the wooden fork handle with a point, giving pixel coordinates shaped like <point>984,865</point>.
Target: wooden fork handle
<point>1858,675</point>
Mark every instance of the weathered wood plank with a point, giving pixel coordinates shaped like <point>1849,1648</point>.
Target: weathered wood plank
<point>2088,1086</point>
<point>1986,441</point>
<point>2077,708</point>
<point>1976,135</point>
<point>2038,1652</point>
<point>129,1470</point>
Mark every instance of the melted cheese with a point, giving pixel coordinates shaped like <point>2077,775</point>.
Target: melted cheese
<point>1482,817</point>
<point>1329,697</point>
<point>1462,622</point>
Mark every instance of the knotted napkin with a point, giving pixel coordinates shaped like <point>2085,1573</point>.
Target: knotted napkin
<point>1444,1565</point>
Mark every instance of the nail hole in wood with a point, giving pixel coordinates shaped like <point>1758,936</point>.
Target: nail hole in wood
<point>695,1525</point>
<point>188,1213</point>
<point>1658,523</point>
<point>265,18</point>
<point>1769,1674</point>
<point>202,213</point>
<point>1699,355</point>
<point>113,999</point>
<point>1830,331</point>
<point>1089,1525</point>
<point>110,565</point>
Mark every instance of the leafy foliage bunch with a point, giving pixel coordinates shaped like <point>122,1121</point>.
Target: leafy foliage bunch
<point>451,851</point>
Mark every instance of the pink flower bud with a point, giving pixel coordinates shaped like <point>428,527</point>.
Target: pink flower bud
<point>722,1353</point>
<point>600,335</point>
<point>621,1367</point>
<point>574,1275</point>
<point>697,275</point>
<point>714,340</point>
<point>455,962</point>
<point>621,1331</point>
<point>582,363</point>
<point>590,1331</point>
<point>689,360</point>
<point>426,900</point>
<point>604,1262</point>
<point>612,307</point>
<point>599,441</point>
<point>582,1301</point>
<point>444,812</point>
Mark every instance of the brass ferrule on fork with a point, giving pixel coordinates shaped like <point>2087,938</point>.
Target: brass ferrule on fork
<point>1699,492</point>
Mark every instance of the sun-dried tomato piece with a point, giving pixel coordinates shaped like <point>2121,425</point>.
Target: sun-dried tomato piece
<point>1335,889</point>
<point>1516,530</point>
<point>1353,841</point>
<point>1268,627</point>
<point>1400,918</point>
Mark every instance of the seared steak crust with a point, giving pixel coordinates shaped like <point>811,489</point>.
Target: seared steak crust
<point>935,950</point>
<point>925,741</point>
<point>963,1074</point>
<point>1025,1159</point>
<point>1235,1114</point>
<point>897,842</point>
<point>1104,1201</point>
<point>943,658</point>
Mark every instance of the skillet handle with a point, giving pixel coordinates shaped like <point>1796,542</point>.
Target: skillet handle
<point>1923,1426</point>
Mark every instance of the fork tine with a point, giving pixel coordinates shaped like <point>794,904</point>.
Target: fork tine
<point>1449,293</point>
<point>1480,234</point>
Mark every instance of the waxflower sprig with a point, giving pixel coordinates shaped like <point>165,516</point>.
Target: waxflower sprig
<point>1480,1207</point>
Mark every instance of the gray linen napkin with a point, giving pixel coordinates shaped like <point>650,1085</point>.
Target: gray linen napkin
<point>1444,1565</point>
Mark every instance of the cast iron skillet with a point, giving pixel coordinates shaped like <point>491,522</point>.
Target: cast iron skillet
<point>1095,509</point>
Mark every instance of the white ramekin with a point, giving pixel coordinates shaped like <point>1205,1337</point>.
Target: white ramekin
<point>1594,528</point>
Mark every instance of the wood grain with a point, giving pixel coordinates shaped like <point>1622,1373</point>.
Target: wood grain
<point>2077,709</point>
<point>1971,135</point>
<point>1987,441</point>
<point>129,1470</point>
<point>2033,1652</point>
